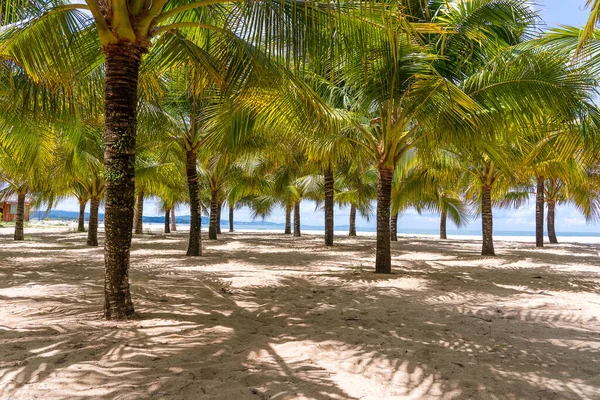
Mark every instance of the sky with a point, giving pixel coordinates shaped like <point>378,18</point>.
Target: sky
<point>554,13</point>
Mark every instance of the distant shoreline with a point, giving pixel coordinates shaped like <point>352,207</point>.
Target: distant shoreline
<point>506,236</point>
<point>62,216</point>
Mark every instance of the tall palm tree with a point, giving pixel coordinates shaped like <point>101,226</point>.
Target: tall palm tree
<point>118,34</point>
<point>357,188</point>
<point>429,181</point>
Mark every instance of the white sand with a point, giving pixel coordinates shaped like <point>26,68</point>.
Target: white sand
<point>269,316</point>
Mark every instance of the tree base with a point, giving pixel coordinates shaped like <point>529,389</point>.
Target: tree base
<point>383,269</point>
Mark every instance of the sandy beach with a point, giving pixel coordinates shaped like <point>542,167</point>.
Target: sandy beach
<point>268,316</point>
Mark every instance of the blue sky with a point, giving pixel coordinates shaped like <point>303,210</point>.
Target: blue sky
<point>554,13</point>
<point>563,12</point>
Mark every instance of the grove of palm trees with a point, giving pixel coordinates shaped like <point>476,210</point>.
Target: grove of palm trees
<point>456,109</point>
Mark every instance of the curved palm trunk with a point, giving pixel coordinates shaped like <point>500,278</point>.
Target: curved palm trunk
<point>167,221</point>
<point>195,242</point>
<point>92,238</point>
<point>81,220</point>
<point>139,210</point>
<point>383,256</point>
<point>443,223</point>
<point>297,219</point>
<point>173,223</point>
<point>394,228</point>
<point>214,207</point>
<point>352,220</point>
<point>329,205</point>
<point>539,213</point>
<point>288,220</point>
<point>20,217</point>
<point>230,218</point>
<point>219,209</point>
<point>487,224</point>
<point>551,218</point>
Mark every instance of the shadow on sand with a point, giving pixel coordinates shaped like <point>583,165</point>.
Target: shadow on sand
<point>272,317</point>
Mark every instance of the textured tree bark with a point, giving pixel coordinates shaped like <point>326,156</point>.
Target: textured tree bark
<point>219,209</point>
<point>394,228</point>
<point>167,221</point>
<point>288,220</point>
<point>539,213</point>
<point>135,214</point>
<point>81,220</point>
<point>120,111</point>
<point>139,207</point>
<point>329,205</point>
<point>383,256</point>
<point>195,242</point>
<point>230,218</point>
<point>297,219</point>
<point>352,221</point>
<point>487,222</point>
<point>214,206</point>
<point>92,238</point>
<point>443,223</point>
<point>20,217</point>
<point>551,219</point>
<point>173,223</point>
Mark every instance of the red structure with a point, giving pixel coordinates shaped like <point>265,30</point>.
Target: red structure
<point>8,208</point>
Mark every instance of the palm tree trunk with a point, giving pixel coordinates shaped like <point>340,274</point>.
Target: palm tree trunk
<point>230,218</point>
<point>167,221</point>
<point>173,223</point>
<point>329,205</point>
<point>81,220</point>
<point>383,256</point>
<point>394,228</point>
<point>551,218</point>
<point>20,217</point>
<point>92,238</point>
<point>195,243</point>
<point>219,209</point>
<point>214,205</point>
<point>120,111</point>
<point>135,213</point>
<point>539,213</point>
<point>297,219</point>
<point>139,207</point>
<point>352,220</point>
<point>443,223</point>
<point>487,223</point>
<point>288,220</point>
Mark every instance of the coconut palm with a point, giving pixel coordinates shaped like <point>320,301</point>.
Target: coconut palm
<point>404,92</point>
<point>23,177</point>
<point>357,188</point>
<point>118,34</point>
<point>580,189</point>
<point>429,182</point>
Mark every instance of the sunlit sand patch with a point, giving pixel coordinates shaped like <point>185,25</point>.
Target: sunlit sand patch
<point>364,374</point>
<point>248,320</point>
<point>32,291</point>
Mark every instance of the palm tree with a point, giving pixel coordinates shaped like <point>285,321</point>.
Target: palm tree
<point>277,185</point>
<point>405,92</point>
<point>27,150</point>
<point>429,181</point>
<point>126,31</point>
<point>357,188</point>
<point>581,189</point>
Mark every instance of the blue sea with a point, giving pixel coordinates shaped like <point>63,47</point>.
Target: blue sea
<point>271,226</point>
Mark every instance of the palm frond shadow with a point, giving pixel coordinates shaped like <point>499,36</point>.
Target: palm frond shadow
<point>311,334</point>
